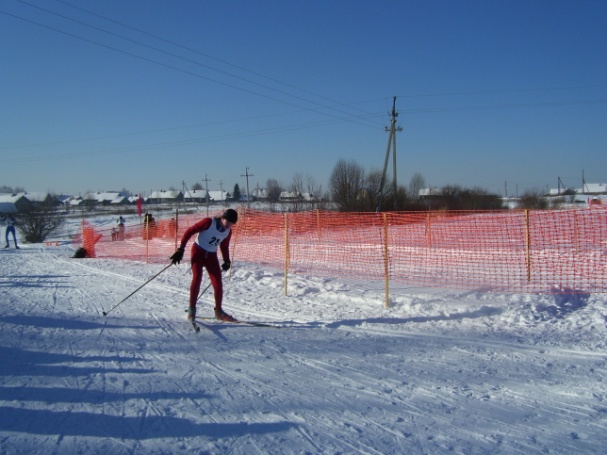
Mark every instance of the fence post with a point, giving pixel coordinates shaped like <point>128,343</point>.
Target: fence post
<point>176,225</point>
<point>287,252</point>
<point>428,229</point>
<point>528,244</point>
<point>386,262</point>
<point>242,216</point>
<point>318,223</point>
<point>576,236</point>
<point>146,226</point>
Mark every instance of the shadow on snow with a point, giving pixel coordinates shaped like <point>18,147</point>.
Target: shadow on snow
<point>68,423</point>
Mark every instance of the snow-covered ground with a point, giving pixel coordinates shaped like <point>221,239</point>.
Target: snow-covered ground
<point>440,371</point>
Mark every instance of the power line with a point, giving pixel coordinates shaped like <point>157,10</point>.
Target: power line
<point>225,73</point>
<point>489,92</point>
<point>22,159</point>
<point>225,62</point>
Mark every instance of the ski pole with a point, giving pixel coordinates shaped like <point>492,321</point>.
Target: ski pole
<point>203,291</point>
<point>106,312</point>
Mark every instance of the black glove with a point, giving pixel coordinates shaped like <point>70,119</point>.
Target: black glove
<point>177,256</point>
<point>226,266</point>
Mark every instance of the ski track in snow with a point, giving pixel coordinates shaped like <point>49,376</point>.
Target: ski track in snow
<point>439,372</point>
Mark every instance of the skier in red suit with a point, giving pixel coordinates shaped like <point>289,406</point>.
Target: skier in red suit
<point>212,234</point>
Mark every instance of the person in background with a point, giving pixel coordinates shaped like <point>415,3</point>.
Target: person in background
<point>10,229</point>
<point>120,233</point>
<point>211,234</point>
<point>149,227</point>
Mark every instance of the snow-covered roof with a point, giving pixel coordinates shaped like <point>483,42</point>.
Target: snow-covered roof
<point>165,194</point>
<point>289,195</point>
<point>593,188</point>
<point>64,198</point>
<point>14,197</point>
<point>218,195</point>
<point>9,201</point>
<point>195,194</point>
<point>10,197</point>
<point>120,200</point>
<point>286,195</point>
<point>107,196</point>
<point>36,197</point>
<point>259,193</point>
<point>589,188</point>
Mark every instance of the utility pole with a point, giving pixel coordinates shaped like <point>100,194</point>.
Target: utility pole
<point>584,187</point>
<point>247,175</point>
<point>206,189</point>
<point>186,191</point>
<point>391,142</point>
<point>183,191</point>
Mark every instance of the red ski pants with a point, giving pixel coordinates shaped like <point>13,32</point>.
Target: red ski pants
<point>200,259</point>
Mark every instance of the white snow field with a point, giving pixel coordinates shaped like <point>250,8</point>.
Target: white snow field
<point>440,371</point>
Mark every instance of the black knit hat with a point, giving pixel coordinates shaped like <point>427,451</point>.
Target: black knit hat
<point>231,215</point>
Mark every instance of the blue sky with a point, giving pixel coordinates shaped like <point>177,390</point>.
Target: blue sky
<point>146,94</point>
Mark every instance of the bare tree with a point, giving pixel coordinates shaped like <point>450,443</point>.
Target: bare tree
<point>416,183</point>
<point>273,189</point>
<point>390,201</point>
<point>314,192</point>
<point>306,193</point>
<point>297,189</point>
<point>37,222</point>
<point>346,184</point>
<point>532,199</point>
<point>372,184</point>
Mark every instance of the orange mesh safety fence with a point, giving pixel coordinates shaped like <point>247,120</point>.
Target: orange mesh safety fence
<point>511,251</point>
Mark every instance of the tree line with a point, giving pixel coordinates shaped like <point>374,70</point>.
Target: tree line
<point>350,189</point>
<point>354,190</point>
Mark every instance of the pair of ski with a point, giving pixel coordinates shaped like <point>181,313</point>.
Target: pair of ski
<point>218,321</point>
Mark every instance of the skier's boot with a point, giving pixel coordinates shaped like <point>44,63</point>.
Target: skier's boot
<point>191,313</point>
<point>223,316</point>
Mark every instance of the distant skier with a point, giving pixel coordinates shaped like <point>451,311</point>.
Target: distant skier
<point>10,229</point>
<point>213,233</point>
<point>120,234</point>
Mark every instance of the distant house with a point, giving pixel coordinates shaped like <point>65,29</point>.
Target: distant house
<point>165,196</point>
<point>259,193</point>
<point>591,194</point>
<point>64,199</point>
<point>593,188</point>
<point>290,196</point>
<point>11,203</point>
<point>287,196</point>
<point>104,198</point>
<point>75,202</point>
<point>425,192</point>
<point>199,196</point>
<point>17,202</point>
<point>561,192</point>
<point>120,200</point>
<point>42,198</point>
<point>219,196</point>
